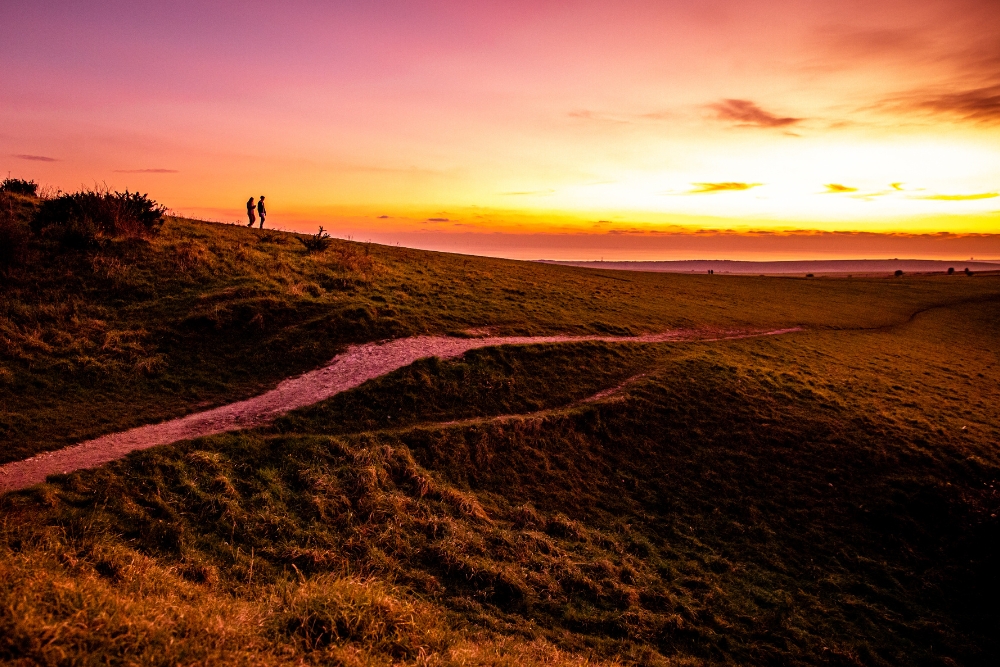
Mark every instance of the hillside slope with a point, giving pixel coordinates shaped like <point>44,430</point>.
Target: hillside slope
<point>826,497</point>
<point>823,499</point>
<point>202,314</point>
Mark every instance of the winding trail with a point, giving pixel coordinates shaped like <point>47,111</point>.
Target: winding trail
<point>358,364</point>
<point>603,395</point>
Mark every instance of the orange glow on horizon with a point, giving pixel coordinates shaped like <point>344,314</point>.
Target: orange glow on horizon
<point>580,119</point>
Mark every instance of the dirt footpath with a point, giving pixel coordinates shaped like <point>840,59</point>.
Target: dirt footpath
<point>357,365</point>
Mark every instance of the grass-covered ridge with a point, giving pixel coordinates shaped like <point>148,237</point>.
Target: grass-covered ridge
<point>825,497</point>
<point>140,329</point>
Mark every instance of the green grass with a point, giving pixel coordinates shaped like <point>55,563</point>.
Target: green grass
<point>203,314</point>
<point>825,497</point>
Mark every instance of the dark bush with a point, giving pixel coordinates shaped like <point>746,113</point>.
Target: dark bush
<point>898,273</point>
<point>14,230</point>
<point>318,242</point>
<point>951,270</point>
<point>967,271</point>
<point>19,186</point>
<point>80,219</point>
<point>13,240</point>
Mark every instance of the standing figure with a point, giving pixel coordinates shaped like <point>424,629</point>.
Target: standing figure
<point>260,210</point>
<point>250,212</point>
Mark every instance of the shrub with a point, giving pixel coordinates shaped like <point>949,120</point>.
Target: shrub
<point>951,270</point>
<point>898,273</point>
<point>967,271</point>
<point>14,231</point>
<point>13,239</point>
<point>19,186</point>
<point>78,220</point>
<point>317,242</point>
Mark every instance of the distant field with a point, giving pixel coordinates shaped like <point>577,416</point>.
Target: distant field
<point>860,267</point>
<point>825,497</point>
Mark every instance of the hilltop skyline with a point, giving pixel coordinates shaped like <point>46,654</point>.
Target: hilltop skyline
<point>512,128</point>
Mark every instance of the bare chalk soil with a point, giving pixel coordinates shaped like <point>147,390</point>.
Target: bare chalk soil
<point>358,364</point>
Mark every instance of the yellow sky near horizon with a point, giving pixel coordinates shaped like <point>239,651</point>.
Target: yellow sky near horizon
<point>520,118</point>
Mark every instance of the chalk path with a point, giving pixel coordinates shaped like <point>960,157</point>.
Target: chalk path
<point>355,366</point>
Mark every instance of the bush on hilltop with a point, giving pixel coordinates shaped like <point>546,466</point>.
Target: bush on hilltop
<point>19,186</point>
<point>79,219</point>
<point>13,239</point>
<point>15,235</point>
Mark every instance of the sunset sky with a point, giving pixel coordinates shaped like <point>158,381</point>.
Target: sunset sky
<point>574,130</point>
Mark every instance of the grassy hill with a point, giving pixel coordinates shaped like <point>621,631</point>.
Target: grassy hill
<point>826,497</point>
<point>142,330</point>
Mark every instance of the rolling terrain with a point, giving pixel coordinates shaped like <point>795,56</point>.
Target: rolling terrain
<point>357,365</point>
<point>827,496</point>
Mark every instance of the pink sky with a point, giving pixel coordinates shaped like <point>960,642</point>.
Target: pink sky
<point>479,126</point>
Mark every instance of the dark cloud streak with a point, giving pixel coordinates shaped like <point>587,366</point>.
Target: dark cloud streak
<point>36,158</point>
<point>747,114</point>
<point>146,171</point>
<point>979,105</point>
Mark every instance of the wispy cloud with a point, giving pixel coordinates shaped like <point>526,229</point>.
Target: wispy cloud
<point>747,114</point>
<point>36,158</point>
<point>527,192</point>
<point>146,171</point>
<point>969,197</point>
<point>841,47</point>
<point>598,117</point>
<point>837,188</point>
<point>854,43</point>
<point>977,105</point>
<point>727,186</point>
<point>625,118</point>
<point>437,220</point>
<point>660,115</point>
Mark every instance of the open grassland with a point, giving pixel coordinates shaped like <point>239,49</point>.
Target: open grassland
<point>200,314</point>
<point>826,497</point>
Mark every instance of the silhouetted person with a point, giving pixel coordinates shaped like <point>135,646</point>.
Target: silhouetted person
<point>261,211</point>
<point>250,212</point>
